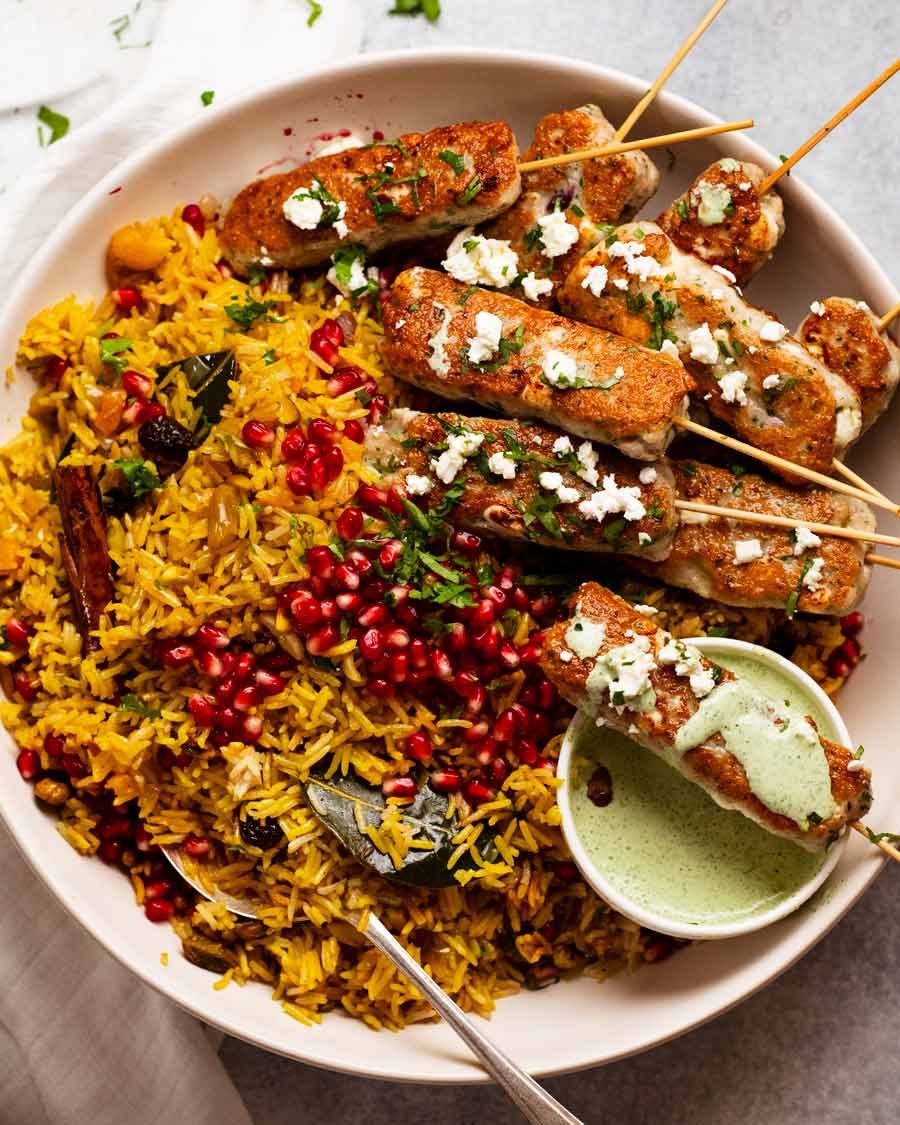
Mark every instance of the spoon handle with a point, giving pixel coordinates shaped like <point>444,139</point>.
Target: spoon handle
<point>533,1100</point>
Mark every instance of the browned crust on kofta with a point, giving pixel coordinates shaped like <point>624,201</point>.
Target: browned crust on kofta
<point>637,410</point>
<point>493,505</point>
<point>255,231</point>
<point>710,765</point>
<point>702,557</point>
<point>746,239</point>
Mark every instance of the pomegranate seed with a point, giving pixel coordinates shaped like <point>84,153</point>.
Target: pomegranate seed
<point>55,368</point>
<point>127,299</point>
<point>292,444</point>
<point>227,719</point>
<point>399,787</point>
<point>258,435</point>
<point>197,847</point>
<point>397,638</point>
<point>520,599</point>
<point>269,683</point>
<point>74,767</point>
<point>476,792</point>
<point>305,610</point>
<point>159,910</point>
<point>251,729</point>
<point>332,331</point>
<point>297,480</point>
<point>323,347</point>
<point>397,595</point>
<point>852,624</point>
<point>277,661</point>
<point>418,746</point>
<point>202,709</point>
<point>55,745</point>
<point>550,931</point>
<point>378,407</point>
<point>362,562</point>
<point>131,415</point>
<point>487,644</point>
<point>526,751</point>
<point>441,665</point>
<point>457,638</point>
<point>475,703</point>
<point>418,654</point>
<point>371,499</point>
<point>246,697</point>
<point>850,651</point>
<point>465,684</point>
<point>150,411</point>
<point>544,605</point>
<point>375,590</point>
<point>224,268</point>
<point>320,561</point>
<point>137,385</point>
<point>225,689</point>
<point>398,667</point>
<point>545,764</point>
<point>445,781</point>
<point>322,641</point>
<point>347,576</point>
<point>507,578</point>
<point>29,764</point>
<point>244,667</point>
<point>212,665</point>
<point>333,460</point>
<point>350,523</point>
<point>211,637</point>
<point>371,644</point>
<point>396,502</point>
<point>322,432</point>
<point>354,431</point>
<point>26,685</point>
<point>142,839</point>
<point>507,725</point>
<point>482,616</point>
<point>390,554</point>
<point>540,726</point>
<point>476,732</point>
<point>509,656</point>
<point>343,381</point>
<point>193,216</point>
<point>547,695</point>
<point>499,771</point>
<point>110,851</point>
<point>498,596</point>
<point>16,632</point>
<point>487,751</point>
<point>349,602</point>
<point>115,828</point>
<point>467,542</point>
<point>330,611</point>
<point>381,689</point>
<point>530,653</point>
<point>318,475</point>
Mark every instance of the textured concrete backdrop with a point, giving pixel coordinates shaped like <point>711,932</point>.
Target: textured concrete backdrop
<point>818,1045</point>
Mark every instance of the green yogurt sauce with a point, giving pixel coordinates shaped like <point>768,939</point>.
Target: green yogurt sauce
<point>666,845</point>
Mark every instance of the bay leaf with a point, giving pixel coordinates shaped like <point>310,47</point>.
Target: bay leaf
<point>209,376</point>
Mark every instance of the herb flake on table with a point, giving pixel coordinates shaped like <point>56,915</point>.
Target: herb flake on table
<point>207,97</point>
<point>315,10</point>
<point>57,123</point>
<point>430,9</point>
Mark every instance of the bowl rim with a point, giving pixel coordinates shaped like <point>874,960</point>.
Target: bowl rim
<point>360,67</point>
<point>647,916</point>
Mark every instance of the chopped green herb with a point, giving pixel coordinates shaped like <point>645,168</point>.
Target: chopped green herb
<point>689,468</point>
<point>472,188</point>
<point>532,238</point>
<point>790,607</point>
<point>109,352</point>
<point>718,631</point>
<point>576,210</point>
<point>207,97</point>
<point>543,510</point>
<point>430,9</point>
<point>315,10</point>
<point>132,705</point>
<point>466,294</point>
<point>612,533</point>
<point>456,162</point>
<point>57,123</point>
<point>140,476</point>
<point>256,274</point>
<point>246,315</point>
<point>635,302</point>
<point>269,357</point>
<point>382,205</point>
<point>663,311</point>
<point>681,208</point>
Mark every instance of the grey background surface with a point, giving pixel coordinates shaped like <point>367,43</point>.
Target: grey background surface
<point>818,1045</point>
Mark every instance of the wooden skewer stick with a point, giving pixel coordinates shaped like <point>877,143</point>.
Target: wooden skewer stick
<point>888,849</point>
<point>784,465</point>
<point>891,314</point>
<point>829,125</point>
<point>670,68</point>
<point>787,521</point>
<point>855,478</point>
<point>629,146</point>
<point>883,560</point>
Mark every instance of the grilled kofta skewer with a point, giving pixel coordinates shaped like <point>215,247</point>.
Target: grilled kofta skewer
<point>613,662</point>
<point>526,481</point>
<point>470,343</point>
<point>752,565</point>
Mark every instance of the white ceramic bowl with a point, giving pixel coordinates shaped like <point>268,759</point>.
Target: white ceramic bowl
<point>658,920</point>
<point>416,90</point>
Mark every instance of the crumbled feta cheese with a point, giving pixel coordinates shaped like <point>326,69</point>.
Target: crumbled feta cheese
<point>303,210</point>
<point>688,662</point>
<point>745,185</point>
<point>637,263</point>
<point>358,278</point>
<point>718,294</point>
<point>438,361</point>
<point>732,386</point>
<point>536,287</point>
<point>729,164</point>
<point>340,224</point>
<point>588,458</point>
<point>553,483</point>
<point>559,368</point>
<point>804,539</point>
<point>416,485</point>
<point>855,766</point>
<point>484,344</point>
<point>584,636</point>
<point>566,494</point>
<point>612,499</point>
<point>647,475</point>
<point>476,260</point>
<point>727,274</point>
<point>669,348</point>
<point>772,332</point>
<point>340,144</point>
<point>644,537</point>
<point>459,447</point>
<point>862,305</point>
<point>400,322</point>
<point>566,656</point>
<point>596,280</point>
<point>704,348</point>
<point>746,550</point>
<point>563,445</point>
<point>812,580</point>
<point>550,481</point>
<point>557,235</point>
<point>502,465</point>
<point>624,673</point>
<point>646,610</point>
<point>753,349</point>
<point>771,382</point>
<point>620,283</point>
<point>817,308</point>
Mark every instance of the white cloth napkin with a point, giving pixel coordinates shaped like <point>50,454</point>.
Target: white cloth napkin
<point>81,1039</point>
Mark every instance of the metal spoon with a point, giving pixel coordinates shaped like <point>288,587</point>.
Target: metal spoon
<point>533,1100</point>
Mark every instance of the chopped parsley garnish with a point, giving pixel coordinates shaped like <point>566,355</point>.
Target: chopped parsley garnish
<point>689,468</point>
<point>344,260</point>
<point>140,476</point>
<point>466,294</point>
<point>663,311</point>
<point>256,274</point>
<point>331,209</point>
<point>246,315</point>
<point>718,631</point>
<point>207,97</point>
<point>790,607</point>
<point>635,302</point>
<point>456,162</point>
<point>576,210</point>
<point>315,10</point>
<point>472,188</point>
<point>533,238</point>
<point>612,533</point>
<point>269,357</point>
<point>681,208</point>
<point>57,123</point>
<point>543,510</point>
<point>382,205</point>
<point>132,705</point>
<point>430,9</point>
<point>109,352</point>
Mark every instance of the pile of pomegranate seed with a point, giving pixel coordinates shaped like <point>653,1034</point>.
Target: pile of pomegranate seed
<point>325,341</point>
<point>14,635</point>
<point>848,654</point>
<point>239,682</point>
